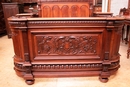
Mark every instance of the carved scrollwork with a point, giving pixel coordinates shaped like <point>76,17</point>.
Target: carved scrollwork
<point>67,45</point>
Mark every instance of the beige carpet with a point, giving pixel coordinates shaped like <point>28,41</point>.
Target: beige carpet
<point>8,78</point>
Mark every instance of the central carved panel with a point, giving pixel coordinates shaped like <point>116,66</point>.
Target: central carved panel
<point>67,45</point>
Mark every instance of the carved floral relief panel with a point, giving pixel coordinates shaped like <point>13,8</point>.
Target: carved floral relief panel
<point>67,44</point>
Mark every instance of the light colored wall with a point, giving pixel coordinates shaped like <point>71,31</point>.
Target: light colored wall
<point>116,5</point>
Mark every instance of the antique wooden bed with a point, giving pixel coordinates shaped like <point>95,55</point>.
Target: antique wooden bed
<point>66,42</point>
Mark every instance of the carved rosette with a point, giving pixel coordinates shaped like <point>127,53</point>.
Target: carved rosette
<point>67,45</point>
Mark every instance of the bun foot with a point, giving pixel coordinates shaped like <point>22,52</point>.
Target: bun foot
<point>29,82</point>
<point>104,80</point>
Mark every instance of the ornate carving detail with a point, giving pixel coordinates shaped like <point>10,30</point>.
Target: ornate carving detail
<point>42,23</point>
<point>66,66</point>
<point>67,45</point>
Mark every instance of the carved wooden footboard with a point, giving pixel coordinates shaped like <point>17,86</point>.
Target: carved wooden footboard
<point>66,47</point>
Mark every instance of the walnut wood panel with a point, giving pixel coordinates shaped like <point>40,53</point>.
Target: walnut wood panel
<point>66,47</point>
<point>65,9</point>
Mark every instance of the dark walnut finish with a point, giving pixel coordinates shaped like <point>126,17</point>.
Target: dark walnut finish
<point>2,22</point>
<point>66,47</point>
<point>9,9</point>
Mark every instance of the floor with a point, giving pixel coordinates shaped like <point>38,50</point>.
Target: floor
<point>8,78</point>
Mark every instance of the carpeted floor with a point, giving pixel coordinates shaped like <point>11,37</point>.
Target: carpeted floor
<point>8,78</point>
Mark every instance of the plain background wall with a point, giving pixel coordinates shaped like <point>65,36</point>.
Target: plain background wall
<point>116,5</point>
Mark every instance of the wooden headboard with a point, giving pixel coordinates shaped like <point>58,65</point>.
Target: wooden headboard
<point>65,9</point>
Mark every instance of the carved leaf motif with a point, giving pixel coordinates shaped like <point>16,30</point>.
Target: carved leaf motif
<point>67,45</point>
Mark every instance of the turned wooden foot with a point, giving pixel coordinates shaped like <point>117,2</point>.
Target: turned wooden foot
<point>104,80</point>
<point>29,82</point>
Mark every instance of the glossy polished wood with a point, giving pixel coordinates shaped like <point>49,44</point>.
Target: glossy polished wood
<point>66,47</point>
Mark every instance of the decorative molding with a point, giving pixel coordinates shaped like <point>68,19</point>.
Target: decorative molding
<point>113,64</point>
<point>18,24</point>
<point>42,23</point>
<point>19,66</point>
<point>110,23</point>
<point>65,66</point>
